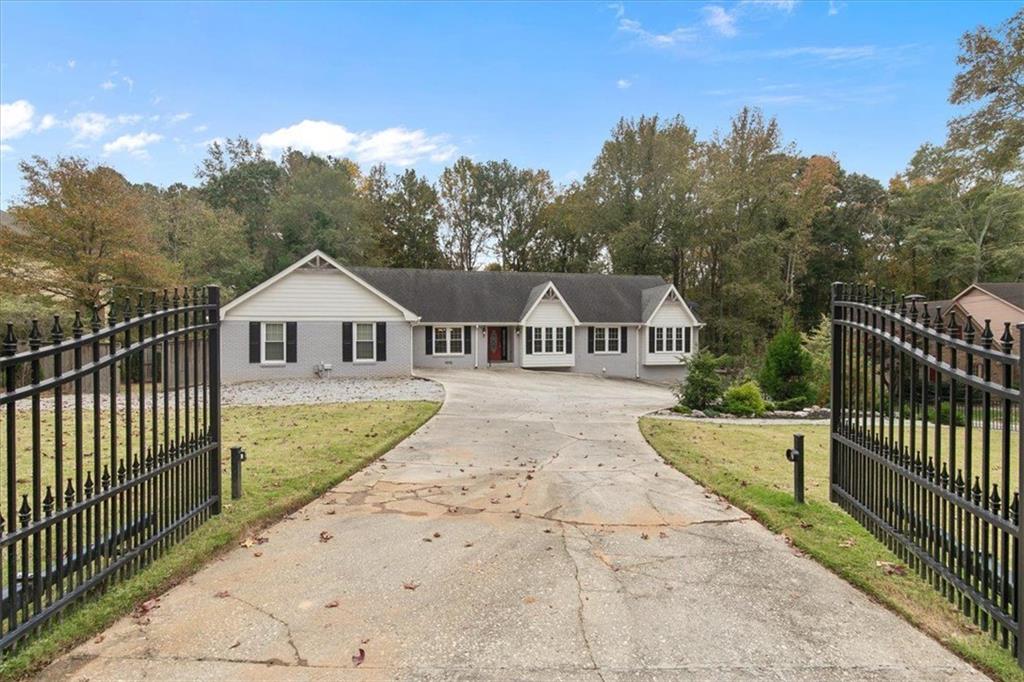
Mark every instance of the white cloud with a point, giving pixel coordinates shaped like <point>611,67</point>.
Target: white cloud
<point>89,125</point>
<point>781,5</point>
<point>675,37</point>
<point>834,7</point>
<point>720,19</point>
<point>618,8</point>
<point>46,122</point>
<point>16,119</point>
<point>128,119</point>
<point>623,83</point>
<point>108,85</point>
<point>130,82</point>
<point>399,146</point>
<point>200,128</point>
<point>178,118</point>
<point>133,144</point>
<point>852,53</point>
<point>71,63</point>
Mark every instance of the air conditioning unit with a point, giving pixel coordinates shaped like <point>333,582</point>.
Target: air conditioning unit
<point>323,370</point>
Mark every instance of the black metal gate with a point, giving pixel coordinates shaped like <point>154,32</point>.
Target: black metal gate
<point>97,484</point>
<point>921,450</point>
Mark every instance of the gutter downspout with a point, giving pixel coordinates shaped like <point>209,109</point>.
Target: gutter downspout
<point>476,347</point>
<point>637,346</point>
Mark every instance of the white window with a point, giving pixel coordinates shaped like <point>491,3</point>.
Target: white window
<point>273,343</point>
<point>606,339</point>
<point>448,341</point>
<point>671,340</point>
<point>366,341</point>
<point>549,340</point>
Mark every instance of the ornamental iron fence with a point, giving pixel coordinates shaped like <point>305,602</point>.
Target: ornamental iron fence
<point>920,454</point>
<point>97,484</point>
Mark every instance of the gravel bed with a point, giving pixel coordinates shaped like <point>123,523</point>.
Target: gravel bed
<point>272,393</point>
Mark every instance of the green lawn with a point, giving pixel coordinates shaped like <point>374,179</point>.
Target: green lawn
<point>746,465</point>
<point>294,455</point>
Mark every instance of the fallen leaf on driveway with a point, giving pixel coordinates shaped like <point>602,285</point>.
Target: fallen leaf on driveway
<point>222,594</point>
<point>359,658</point>
<point>410,585</point>
<point>333,604</point>
<point>98,639</point>
<point>237,643</point>
<point>325,536</point>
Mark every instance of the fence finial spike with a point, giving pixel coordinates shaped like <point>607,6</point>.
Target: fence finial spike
<point>10,340</point>
<point>127,309</point>
<point>35,337</point>
<point>56,331</point>
<point>986,334</point>
<point>94,319</point>
<point>69,494</point>
<point>25,512</point>
<point>1007,338</point>
<point>939,327</point>
<point>77,327</point>
<point>112,315</point>
<point>969,330</point>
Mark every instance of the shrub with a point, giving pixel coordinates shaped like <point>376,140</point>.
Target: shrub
<point>791,404</point>
<point>818,344</point>
<point>702,387</point>
<point>744,400</point>
<point>787,365</point>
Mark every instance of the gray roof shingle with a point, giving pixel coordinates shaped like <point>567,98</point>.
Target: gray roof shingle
<point>484,296</point>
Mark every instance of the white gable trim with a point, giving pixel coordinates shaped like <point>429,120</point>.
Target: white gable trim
<point>561,299</point>
<point>406,313</point>
<point>682,301</point>
<point>956,299</point>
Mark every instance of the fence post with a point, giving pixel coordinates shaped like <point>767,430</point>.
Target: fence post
<point>1019,568</point>
<point>835,401</point>
<point>213,316</point>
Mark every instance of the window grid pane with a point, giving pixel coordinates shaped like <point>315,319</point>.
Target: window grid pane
<point>559,340</point>
<point>549,340</point>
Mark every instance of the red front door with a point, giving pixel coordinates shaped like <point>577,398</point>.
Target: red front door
<point>495,345</point>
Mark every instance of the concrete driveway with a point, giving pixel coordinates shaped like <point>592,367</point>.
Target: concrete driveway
<point>526,533</point>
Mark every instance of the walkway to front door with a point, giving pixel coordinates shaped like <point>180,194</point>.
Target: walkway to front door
<point>527,532</point>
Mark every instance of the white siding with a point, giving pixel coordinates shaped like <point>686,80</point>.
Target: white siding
<point>670,314</point>
<point>549,314</point>
<point>315,295</point>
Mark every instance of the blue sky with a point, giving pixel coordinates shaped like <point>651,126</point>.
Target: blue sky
<point>144,86</point>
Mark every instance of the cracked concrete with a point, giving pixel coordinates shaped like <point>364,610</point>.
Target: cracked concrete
<point>526,532</point>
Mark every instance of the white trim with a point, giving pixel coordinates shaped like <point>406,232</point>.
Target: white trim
<point>618,339</point>
<point>406,313</point>
<point>448,340</point>
<point>561,299</point>
<point>355,342</point>
<point>263,345</point>
<point>956,299</point>
<point>682,301</point>
<point>554,340</point>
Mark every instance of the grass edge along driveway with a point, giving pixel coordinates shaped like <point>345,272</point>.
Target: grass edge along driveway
<point>295,454</point>
<point>745,465</point>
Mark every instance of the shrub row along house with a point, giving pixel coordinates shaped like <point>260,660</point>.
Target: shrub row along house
<point>318,317</point>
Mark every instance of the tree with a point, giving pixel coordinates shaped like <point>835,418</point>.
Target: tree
<point>702,387</point>
<point>511,201</point>
<point>403,215</point>
<point>316,206</point>
<point>784,375</point>
<point>207,243</point>
<point>991,81</point>
<point>567,240</point>
<point>82,236</point>
<point>464,235</point>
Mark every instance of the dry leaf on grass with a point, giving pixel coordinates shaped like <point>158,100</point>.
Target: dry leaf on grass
<point>848,542</point>
<point>890,568</point>
<point>359,658</point>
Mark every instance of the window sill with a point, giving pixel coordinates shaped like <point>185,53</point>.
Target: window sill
<point>608,352</point>
<point>364,361</point>
<point>273,364</point>
<point>450,355</point>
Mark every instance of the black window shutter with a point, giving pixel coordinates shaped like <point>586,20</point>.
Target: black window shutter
<point>529,341</point>
<point>346,342</point>
<point>622,339</point>
<point>686,336</point>
<point>650,339</point>
<point>254,342</point>
<point>467,340</point>
<point>590,339</point>
<point>291,345</point>
<point>382,341</point>
<point>430,340</point>
<point>568,339</point>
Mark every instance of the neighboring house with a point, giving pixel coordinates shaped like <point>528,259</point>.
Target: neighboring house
<point>996,301</point>
<point>362,321</point>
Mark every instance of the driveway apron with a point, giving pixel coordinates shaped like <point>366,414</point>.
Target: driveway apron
<point>527,532</point>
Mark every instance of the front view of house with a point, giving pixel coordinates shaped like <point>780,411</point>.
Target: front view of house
<point>319,318</point>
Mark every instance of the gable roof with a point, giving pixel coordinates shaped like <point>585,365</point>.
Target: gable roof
<point>502,297</point>
<point>1010,292</point>
<point>651,299</point>
<point>318,258</point>
<point>538,292</point>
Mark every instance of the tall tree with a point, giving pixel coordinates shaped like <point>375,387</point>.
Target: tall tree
<point>316,206</point>
<point>991,82</point>
<point>82,236</point>
<point>567,240</point>
<point>464,236</point>
<point>511,201</point>
<point>403,215</point>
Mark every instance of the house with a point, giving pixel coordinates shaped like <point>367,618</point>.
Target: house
<point>999,302</point>
<point>318,316</point>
